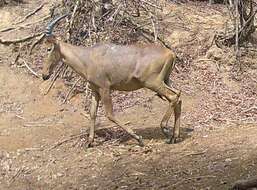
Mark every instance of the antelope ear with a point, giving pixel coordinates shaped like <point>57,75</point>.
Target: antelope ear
<point>51,39</point>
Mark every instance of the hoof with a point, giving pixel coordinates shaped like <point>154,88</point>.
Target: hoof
<point>173,140</point>
<point>88,145</point>
<point>167,132</point>
<point>140,141</point>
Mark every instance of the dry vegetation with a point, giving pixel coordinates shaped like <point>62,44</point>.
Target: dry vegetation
<point>5,2</point>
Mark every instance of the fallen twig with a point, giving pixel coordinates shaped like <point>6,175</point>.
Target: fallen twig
<point>72,137</point>
<point>85,115</point>
<point>195,153</point>
<point>87,89</point>
<point>115,13</point>
<point>16,58</point>
<point>30,14</point>
<point>66,140</point>
<point>20,117</point>
<point>54,79</point>
<point>192,178</point>
<point>35,125</point>
<point>154,29</point>
<point>25,25</point>
<point>72,19</point>
<point>33,72</point>
<point>151,4</point>
<point>27,38</point>
<point>33,149</point>
<point>20,170</point>
<point>7,29</point>
<point>71,90</point>
<point>36,42</point>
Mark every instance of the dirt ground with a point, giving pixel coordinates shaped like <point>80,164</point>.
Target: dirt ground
<point>39,136</point>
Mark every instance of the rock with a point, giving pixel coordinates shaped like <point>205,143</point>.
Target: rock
<point>214,53</point>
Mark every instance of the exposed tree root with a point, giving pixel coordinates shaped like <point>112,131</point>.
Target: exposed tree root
<point>245,184</point>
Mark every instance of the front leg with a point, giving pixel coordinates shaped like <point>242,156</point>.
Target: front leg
<point>93,112</point>
<point>164,123</point>
<point>107,103</point>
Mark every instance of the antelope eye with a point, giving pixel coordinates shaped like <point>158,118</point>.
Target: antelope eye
<point>49,49</point>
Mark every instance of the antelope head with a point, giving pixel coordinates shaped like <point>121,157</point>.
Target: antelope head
<point>53,51</point>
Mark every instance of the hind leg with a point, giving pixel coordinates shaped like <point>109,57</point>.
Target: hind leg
<point>172,107</point>
<point>175,107</point>
<point>172,95</point>
<point>164,122</point>
<point>177,113</point>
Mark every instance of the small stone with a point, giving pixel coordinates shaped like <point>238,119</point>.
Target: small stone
<point>60,174</point>
<point>228,160</point>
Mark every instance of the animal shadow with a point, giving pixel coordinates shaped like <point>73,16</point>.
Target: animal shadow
<point>116,134</point>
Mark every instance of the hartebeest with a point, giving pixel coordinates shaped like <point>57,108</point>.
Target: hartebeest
<point>118,67</point>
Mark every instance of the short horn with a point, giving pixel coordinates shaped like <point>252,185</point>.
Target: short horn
<point>49,28</point>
